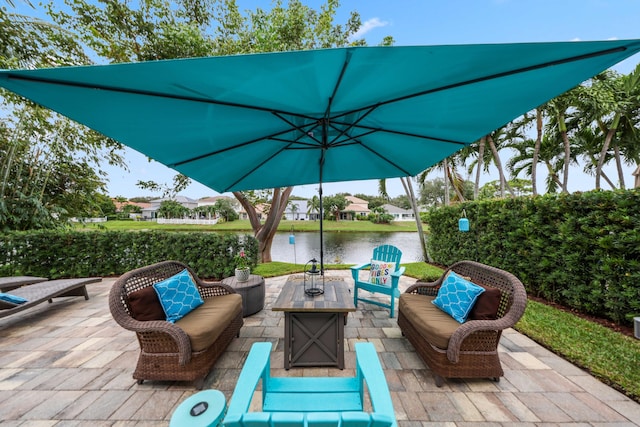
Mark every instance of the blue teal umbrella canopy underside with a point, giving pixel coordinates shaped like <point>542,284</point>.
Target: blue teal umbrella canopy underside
<point>278,119</point>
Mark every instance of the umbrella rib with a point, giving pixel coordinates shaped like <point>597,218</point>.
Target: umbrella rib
<point>11,76</point>
<point>407,173</point>
<point>254,169</point>
<point>491,77</point>
<point>213,153</point>
<point>348,127</point>
<point>345,64</point>
<point>397,132</point>
<point>303,132</point>
<point>352,139</point>
<point>305,145</point>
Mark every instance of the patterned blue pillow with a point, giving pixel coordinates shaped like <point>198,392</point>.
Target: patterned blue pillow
<point>178,295</point>
<point>457,296</point>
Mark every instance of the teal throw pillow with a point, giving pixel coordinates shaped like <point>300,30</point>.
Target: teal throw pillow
<point>13,299</point>
<point>457,296</point>
<point>178,295</point>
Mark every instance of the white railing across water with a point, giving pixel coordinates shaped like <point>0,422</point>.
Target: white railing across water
<point>187,221</point>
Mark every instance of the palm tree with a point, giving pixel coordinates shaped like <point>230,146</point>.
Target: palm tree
<point>481,160</point>
<point>558,110</point>
<point>610,105</point>
<point>452,178</point>
<point>549,153</point>
<point>313,206</point>
<point>536,150</point>
<point>294,208</point>
<point>476,186</point>
<point>522,125</point>
<point>497,140</point>
<point>589,149</point>
<point>408,189</point>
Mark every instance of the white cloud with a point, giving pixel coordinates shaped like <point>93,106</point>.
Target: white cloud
<point>368,26</point>
<point>578,39</point>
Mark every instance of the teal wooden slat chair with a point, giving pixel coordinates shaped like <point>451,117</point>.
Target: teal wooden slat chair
<point>296,401</point>
<point>377,281</point>
<point>327,399</point>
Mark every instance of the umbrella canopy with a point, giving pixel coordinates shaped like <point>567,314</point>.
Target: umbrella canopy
<point>278,119</point>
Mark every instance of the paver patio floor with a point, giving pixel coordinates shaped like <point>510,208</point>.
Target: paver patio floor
<point>69,364</point>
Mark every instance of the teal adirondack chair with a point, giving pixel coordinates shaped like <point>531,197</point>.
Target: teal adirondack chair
<point>379,282</point>
<point>295,401</point>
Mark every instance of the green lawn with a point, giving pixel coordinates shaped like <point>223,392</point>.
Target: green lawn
<point>419,270</point>
<point>245,226</point>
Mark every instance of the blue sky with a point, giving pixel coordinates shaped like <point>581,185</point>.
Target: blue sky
<point>437,22</point>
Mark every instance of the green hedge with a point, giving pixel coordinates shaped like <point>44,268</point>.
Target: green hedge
<point>581,250</point>
<point>57,254</point>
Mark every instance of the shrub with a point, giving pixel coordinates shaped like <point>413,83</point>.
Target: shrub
<point>581,250</point>
<point>57,254</point>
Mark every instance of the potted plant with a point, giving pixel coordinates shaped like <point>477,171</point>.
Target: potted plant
<point>242,267</point>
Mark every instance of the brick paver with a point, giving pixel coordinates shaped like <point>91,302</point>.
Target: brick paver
<point>69,364</point>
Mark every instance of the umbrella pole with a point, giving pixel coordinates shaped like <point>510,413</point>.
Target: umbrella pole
<point>321,239</point>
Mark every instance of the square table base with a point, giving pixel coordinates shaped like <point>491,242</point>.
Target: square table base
<point>314,339</point>
<point>314,325</point>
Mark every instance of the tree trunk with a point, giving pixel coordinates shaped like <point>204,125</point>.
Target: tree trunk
<point>536,152</point>
<point>408,188</point>
<point>264,233</point>
<point>606,178</point>
<point>496,157</point>
<point>616,151</point>
<point>446,182</point>
<point>603,174</point>
<point>476,187</point>
<point>605,147</point>
<point>567,161</point>
<point>553,175</point>
<point>454,185</point>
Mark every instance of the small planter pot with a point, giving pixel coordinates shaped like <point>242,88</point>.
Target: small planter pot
<point>242,274</point>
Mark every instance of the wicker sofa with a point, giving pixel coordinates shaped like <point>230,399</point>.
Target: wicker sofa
<point>187,349</point>
<point>470,349</point>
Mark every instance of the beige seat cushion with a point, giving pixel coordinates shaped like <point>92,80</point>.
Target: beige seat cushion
<point>433,324</point>
<point>205,324</point>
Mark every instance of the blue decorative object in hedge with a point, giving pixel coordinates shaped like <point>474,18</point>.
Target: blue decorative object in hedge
<point>178,295</point>
<point>457,296</point>
<point>14,299</point>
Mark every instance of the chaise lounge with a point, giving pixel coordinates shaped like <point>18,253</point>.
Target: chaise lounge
<point>37,293</point>
<point>12,282</point>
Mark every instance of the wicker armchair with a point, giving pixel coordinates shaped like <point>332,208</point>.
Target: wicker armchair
<point>165,349</point>
<point>472,351</point>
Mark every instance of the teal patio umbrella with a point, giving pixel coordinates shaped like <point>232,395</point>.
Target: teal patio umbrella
<point>305,117</point>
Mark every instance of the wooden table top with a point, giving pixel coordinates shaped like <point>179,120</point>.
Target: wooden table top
<point>254,280</point>
<point>335,299</point>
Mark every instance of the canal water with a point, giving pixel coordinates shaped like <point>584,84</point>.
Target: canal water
<point>343,248</point>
